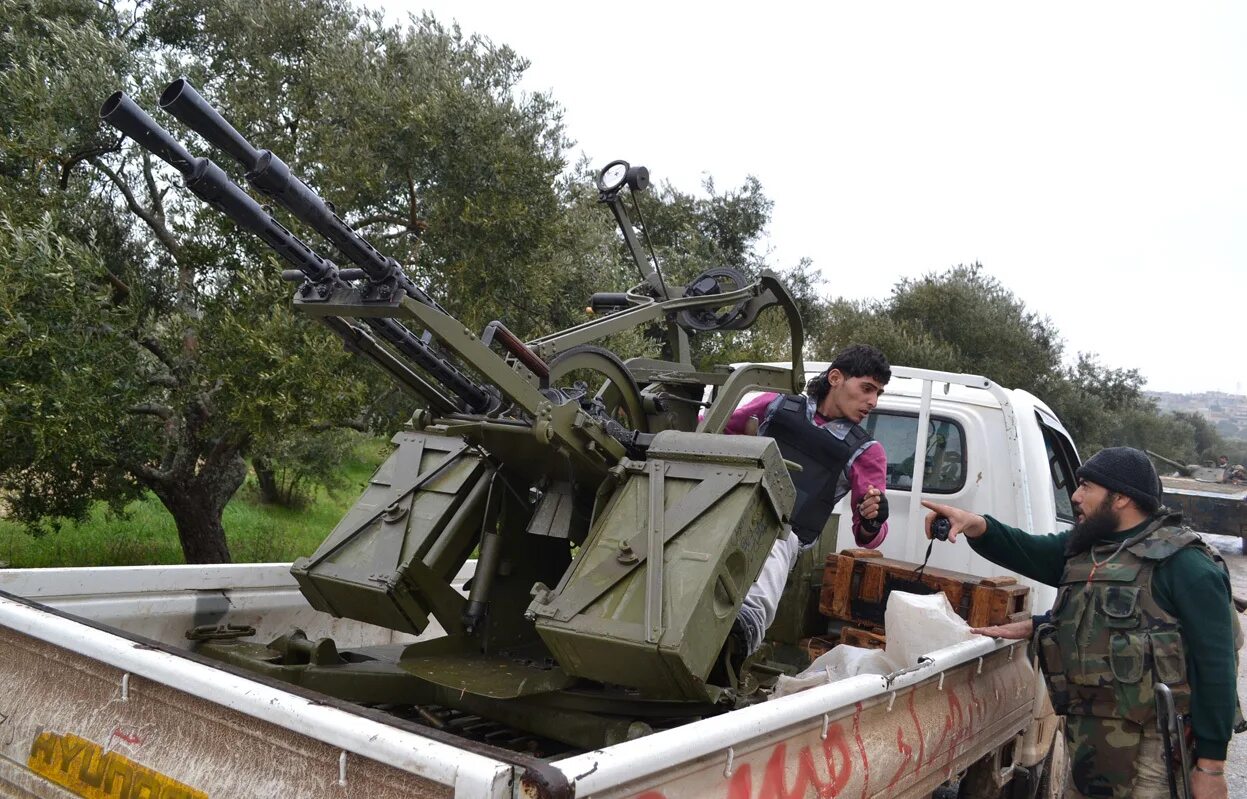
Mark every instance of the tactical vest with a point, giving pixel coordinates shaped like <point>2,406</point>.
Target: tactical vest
<point>825,455</point>
<point>1108,645</point>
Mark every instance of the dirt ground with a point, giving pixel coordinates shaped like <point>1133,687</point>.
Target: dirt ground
<point>1236,763</point>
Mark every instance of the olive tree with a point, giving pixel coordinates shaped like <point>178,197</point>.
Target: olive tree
<point>148,345</point>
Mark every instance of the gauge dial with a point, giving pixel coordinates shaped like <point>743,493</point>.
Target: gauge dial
<point>613,176</point>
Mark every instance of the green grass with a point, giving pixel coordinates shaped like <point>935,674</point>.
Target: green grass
<point>145,534</point>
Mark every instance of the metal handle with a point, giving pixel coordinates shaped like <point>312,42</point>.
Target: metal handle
<point>497,330</point>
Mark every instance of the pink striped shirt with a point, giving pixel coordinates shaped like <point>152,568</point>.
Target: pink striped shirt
<point>867,472</point>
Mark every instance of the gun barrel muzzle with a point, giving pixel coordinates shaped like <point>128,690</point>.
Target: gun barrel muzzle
<point>125,115</point>
<point>210,183</point>
<point>182,100</point>
<point>270,175</point>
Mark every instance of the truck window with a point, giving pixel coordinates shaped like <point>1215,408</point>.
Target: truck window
<point>944,470</point>
<point>1062,463</point>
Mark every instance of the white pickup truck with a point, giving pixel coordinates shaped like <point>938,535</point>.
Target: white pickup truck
<point>101,694</point>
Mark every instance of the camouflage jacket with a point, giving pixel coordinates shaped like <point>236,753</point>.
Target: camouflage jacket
<point>1108,645</point>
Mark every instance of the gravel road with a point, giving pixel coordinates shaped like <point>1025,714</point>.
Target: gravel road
<point>1236,763</point>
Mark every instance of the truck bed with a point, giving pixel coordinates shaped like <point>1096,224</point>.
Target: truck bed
<point>1189,485</point>
<point>1218,508</point>
<point>98,683</point>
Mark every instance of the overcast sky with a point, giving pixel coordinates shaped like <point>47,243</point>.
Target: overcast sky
<point>1092,156</point>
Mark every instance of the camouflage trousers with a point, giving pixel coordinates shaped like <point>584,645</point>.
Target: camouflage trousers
<point>1151,779</point>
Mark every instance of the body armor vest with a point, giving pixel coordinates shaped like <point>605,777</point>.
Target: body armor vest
<point>824,455</point>
<point>1108,645</point>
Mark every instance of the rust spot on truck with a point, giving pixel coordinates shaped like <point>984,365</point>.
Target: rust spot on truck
<point>84,769</point>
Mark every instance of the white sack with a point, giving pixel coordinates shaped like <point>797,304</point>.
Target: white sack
<point>835,664</point>
<point>916,624</point>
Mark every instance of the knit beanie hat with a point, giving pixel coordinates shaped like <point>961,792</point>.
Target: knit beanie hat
<point>1125,470</point>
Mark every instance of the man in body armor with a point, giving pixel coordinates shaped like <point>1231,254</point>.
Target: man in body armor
<point>1142,600</point>
<point>821,430</point>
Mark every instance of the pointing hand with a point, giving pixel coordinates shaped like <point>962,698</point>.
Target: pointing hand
<point>962,521</point>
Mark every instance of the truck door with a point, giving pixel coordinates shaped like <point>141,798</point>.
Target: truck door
<point>943,467</point>
<point>1063,463</point>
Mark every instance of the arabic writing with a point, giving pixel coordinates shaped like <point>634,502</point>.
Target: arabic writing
<point>929,731</point>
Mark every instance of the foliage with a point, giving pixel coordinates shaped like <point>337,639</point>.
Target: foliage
<point>1235,449</point>
<point>965,320</point>
<point>869,322</point>
<point>173,348</point>
<point>692,232</point>
<point>289,468</point>
<point>174,351</point>
<point>145,345</point>
<point>65,366</point>
<point>962,320</point>
<point>1207,441</point>
<point>144,532</point>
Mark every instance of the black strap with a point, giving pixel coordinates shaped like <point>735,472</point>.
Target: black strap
<point>918,571</point>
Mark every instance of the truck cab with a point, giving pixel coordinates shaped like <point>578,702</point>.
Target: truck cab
<point>987,449</point>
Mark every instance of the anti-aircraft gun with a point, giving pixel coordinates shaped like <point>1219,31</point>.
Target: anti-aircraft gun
<point>616,531</point>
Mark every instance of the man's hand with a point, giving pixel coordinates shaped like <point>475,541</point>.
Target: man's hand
<point>1209,786</point>
<point>1014,630</point>
<point>868,508</point>
<point>963,521</point>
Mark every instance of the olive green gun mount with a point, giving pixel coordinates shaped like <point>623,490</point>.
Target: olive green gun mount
<point>616,530</point>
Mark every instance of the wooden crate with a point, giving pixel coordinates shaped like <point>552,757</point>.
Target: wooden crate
<point>854,636</point>
<point>815,645</point>
<point>856,584</point>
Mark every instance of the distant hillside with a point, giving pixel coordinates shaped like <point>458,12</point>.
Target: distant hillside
<point>1228,412</point>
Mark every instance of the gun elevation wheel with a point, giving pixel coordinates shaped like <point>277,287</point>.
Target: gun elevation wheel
<point>719,280</point>
<point>619,394</point>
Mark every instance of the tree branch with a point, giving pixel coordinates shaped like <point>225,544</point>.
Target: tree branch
<point>155,192</point>
<point>181,455</point>
<point>147,474</point>
<point>414,223</point>
<point>153,346</point>
<point>135,20</point>
<point>87,155</point>
<point>157,226</point>
<point>389,219</point>
<point>151,409</point>
<point>226,447</point>
<point>120,285</point>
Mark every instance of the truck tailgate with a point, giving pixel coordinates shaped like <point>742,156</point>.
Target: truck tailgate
<point>95,713</point>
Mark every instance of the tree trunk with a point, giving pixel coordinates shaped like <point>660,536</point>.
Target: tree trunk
<point>200,530</point>
<point>266,479</point>
<point>196,504</point>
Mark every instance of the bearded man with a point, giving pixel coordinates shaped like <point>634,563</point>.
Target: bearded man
<point>1141,600</point>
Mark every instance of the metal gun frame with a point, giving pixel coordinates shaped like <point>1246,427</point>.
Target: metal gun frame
<point>506,460</point>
